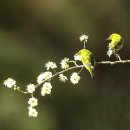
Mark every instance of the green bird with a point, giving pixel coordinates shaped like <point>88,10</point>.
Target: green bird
<point>88,60</point>
<point>115,45</point>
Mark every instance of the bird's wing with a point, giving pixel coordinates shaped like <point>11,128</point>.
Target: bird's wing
<point>118,45</point>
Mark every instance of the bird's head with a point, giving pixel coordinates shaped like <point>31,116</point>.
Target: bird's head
<point>114,37</point>
<point>80,54</point>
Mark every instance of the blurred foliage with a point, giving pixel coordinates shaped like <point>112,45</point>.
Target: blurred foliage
<point>33,32</point>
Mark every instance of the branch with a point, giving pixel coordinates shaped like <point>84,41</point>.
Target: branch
<point>77,67</point>
<point>80,66</point>
<point>113,62</point>
<point>60,72</point>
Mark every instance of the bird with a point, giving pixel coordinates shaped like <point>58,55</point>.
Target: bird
<point>115,45</point>
<point>88,60</point>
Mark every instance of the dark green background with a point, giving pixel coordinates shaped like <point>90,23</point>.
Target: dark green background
<point>35,31</point>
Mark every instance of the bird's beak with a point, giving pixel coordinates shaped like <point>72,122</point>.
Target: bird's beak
<point>109,38</point>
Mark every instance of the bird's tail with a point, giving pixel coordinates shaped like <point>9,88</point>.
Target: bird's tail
<point>92,75</point>
<point>91,71</point>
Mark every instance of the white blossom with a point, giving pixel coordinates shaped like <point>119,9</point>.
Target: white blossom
<point>40,78</point>
<point>62,78</point>
<point>30,88</point>
<point>51,65</point>
<point>75,78</point>
<point>83,38</point>
<point>64,63</point>
<point>46,88</point>
<point>10,83</point>
<point>33,102</point>
<point>47,75</point>
<point>77,57</point>
<point>32,112</point>
<point>44,76</point>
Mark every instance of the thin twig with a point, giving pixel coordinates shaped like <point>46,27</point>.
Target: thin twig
<point>71,61</point>
<point>24,92</point>
<point>113,62</point>
<point>84,44</point>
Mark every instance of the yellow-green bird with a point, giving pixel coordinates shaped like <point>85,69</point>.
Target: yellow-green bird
<point>115,45</point>
<point>88,60</point>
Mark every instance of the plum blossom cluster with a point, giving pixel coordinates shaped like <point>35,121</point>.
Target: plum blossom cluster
<point>51,65</point>
<point>10,83</point>
<point>75,78</point>
<point>43,80</point>
<point>64,63</point>
<point>63,78</point>
<point>33,102</point>
<point>83,38</point>
<point>30,88</point>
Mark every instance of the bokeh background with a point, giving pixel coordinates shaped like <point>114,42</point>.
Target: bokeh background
<point>33,32</point>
